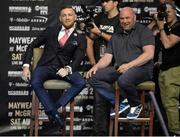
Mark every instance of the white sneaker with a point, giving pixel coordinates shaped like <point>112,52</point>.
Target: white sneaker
<point>123,106</point>
<point>134,112</point>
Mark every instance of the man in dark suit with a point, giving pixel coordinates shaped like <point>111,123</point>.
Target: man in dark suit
<point>64,49</point>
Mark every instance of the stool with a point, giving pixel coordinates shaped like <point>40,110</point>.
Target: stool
<point>147,86</point>
<point>59,85</point>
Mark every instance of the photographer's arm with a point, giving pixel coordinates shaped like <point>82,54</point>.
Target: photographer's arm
<point>100,33</point>
<point>167,40</point>
<point>90,51</point>
<point>105,36</point>
<point>152,24</point>
<point>170,40</point>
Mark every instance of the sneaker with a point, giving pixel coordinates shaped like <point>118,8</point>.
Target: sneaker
<point>123,106</point>
<point>134,112</point>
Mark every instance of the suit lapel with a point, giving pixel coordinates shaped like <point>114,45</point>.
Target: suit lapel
<point>71,37</point>
<point>56,33</point>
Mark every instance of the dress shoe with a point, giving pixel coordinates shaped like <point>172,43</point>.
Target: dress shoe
<point>55,118</point>
<point>51,118</point>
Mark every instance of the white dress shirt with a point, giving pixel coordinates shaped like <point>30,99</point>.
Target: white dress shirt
<point>62,32</point>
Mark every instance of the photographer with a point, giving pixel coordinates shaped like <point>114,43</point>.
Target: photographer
<point>161,9</point>
<point>169,77</point>
<point>105,25</point>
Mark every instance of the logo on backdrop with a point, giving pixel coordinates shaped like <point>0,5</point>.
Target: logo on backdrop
<point>43,10</point>
<point>34,19</point>
<point>20,9</point>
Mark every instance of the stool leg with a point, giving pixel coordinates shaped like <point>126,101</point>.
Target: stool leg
<point>64,118</point>
<point>111,127</point>
<point>71,117</point>
<point>32,120</point>
<point>142,129</point>
<point>143,110</point>
<point>151,123</point>
<point>36,116</point>
<point>159,113</point>
<point>116,110</point>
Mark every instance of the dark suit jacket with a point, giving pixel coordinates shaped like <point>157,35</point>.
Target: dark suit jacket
<point>71,54</point>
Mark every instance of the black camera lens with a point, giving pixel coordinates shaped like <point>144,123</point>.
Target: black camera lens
<point>161,12</point>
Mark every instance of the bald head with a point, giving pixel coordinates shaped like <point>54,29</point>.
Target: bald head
<point>171,17</point>
<point>127,10</point>
<point>127,18</point>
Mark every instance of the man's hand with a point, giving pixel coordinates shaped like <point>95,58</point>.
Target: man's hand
<point>92,62</point>
<point>160,23</point>
<point>62,72</point>
<point>95,30</point>
<point>26,74</point>
<point>157,64</point>
<point>123,68</point>
<point>91,72</point>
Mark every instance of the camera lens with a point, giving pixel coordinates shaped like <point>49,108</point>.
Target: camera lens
<point>161,12</point>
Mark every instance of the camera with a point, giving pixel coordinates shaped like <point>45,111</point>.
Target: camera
<point>161,9</point>
<point>88,18</point>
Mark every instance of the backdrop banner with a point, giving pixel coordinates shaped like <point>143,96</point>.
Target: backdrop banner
<point>21,23</point>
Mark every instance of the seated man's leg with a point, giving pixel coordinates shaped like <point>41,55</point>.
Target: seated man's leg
<point>77,84</point>
<point>39,75</point>
<point>128,81</point>
<point>103,94</point>
<point>101,110</point>
<point>102,82</point>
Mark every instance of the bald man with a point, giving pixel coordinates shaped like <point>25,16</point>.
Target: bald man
<point>132,49</point>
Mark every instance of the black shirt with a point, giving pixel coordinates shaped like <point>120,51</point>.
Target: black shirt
<point>171,56</point>
<point>107,25</point>
<point>126,47</point>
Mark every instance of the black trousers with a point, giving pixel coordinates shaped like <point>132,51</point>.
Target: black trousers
<point>101,115</point>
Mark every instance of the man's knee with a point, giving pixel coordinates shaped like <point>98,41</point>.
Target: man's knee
<point>81,83</point>
<point>78,81</point>
<point>36,81</point>
<point>123,83</point>
<point>92,80</point>
<point>99,100</point>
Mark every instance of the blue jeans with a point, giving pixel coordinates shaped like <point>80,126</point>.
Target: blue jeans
<point>43,73</point>
<point>103,79</point>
